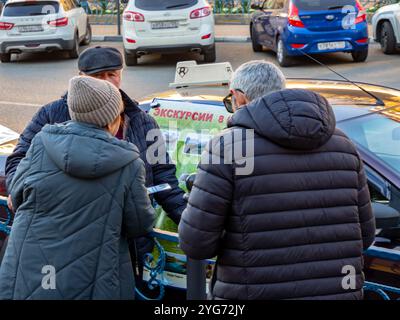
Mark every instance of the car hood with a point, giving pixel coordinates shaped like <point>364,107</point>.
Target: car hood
<point>389,8</point>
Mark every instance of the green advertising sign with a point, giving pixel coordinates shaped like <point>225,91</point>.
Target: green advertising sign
<point>187,128</point>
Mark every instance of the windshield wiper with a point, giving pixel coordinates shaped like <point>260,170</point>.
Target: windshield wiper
<point>379,101</point>
<point>177,6</point>
<point>335,7</point>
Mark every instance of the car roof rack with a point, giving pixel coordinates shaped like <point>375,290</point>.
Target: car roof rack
<point>190,74</point>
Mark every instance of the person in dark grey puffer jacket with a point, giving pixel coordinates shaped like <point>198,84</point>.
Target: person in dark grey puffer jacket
<point>80,195</point>
<point>291,228</point>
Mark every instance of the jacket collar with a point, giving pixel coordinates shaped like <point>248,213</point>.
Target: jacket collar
<point>131,106</point>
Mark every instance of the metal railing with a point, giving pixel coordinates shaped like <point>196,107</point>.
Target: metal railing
<point>196,277</point>
<point>381,290</point>
<point>196,269</point>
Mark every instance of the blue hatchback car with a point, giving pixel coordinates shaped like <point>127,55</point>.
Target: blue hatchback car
<point>290,27</point>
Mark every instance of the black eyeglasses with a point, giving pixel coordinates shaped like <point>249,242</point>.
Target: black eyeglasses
<point>228,101</point>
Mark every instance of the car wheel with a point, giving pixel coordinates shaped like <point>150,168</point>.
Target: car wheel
<point>360,56</point>
<point>388,39</point>
<point>5,57</point>
<point>131,59</point>
<point>210,55</point>
<point>74,52</point>
<point>256,46</point>
<point>284,59</point>
<point>88,36</point>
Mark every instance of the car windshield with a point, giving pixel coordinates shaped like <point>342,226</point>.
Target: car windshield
<point>316,5</point>
<point>23,9</point>
<point>379,133</point>
<point>154,5</point>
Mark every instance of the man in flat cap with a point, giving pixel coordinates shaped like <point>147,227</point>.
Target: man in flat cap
<point>106,63</point>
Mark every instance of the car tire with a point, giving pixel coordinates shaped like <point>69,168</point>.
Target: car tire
<point>388,38</point>
<point>88,36</point>
<point>74,52</point>
<point>256,46</point>
<point>131,59</point>
<point>360,56</point>
<point>284,59</point>
<point>210,55</point>
<point>5,57</point>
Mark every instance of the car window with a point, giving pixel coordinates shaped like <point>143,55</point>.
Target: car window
<point>315,5</point>
<point>279,4</point>
<point>378,133</point>
<point>23,9</point>
<point>269,5</point>
<point>154,5</point>
<point>274,4</point>
<point>68,4</point>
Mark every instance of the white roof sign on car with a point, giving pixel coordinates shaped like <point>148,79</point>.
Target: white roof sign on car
<point>190,74</point>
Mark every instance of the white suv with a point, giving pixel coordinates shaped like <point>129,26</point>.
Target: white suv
<point>168,26</point>
<point>386,27</point>
<point>43,25</point>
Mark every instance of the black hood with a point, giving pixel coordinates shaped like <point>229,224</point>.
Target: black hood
<point>292,118</point>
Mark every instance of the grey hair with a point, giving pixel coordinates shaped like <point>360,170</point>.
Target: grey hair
<point>258,78</point>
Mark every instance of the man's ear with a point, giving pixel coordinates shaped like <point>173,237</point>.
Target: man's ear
<point>241,99</point>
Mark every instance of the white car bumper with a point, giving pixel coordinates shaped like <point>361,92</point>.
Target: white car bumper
<point>170,43</point>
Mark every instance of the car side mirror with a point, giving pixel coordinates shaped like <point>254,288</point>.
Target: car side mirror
<point>386,217</point>
<point>190,181</point>
<point>255,6</point>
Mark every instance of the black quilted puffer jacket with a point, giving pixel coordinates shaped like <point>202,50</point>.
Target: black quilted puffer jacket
<point>291,228</point>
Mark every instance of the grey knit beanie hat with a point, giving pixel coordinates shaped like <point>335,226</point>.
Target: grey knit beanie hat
<point>93,101</point>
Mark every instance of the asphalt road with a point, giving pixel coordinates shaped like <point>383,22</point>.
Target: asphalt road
<point>33,80</point>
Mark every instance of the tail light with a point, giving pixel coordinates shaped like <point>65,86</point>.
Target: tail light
<point>294,19</point>
<point>363,40</point>
<point>298,45</point>
<point>133,16</point>
<point>130,40</point>
<point>200,13</point>
<point>207,36</point>
<point>362,15</point>
<point>6,26</point>
<point>61,22</point>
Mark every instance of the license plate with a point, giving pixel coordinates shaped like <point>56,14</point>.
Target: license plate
<point>331,45</point>
<point>164,25</point>
<point>30,28</point>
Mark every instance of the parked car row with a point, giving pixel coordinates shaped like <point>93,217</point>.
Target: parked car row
<point>43,26</point>
<point>291,28</point>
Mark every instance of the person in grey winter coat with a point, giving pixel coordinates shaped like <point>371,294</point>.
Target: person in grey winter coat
<point>79,196</point>
<point>292,225</point>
